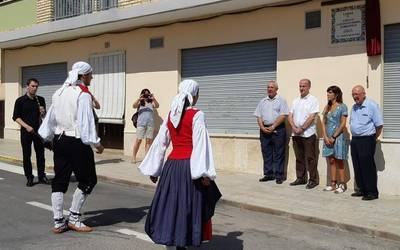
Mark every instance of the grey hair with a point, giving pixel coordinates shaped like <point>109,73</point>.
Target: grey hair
<point>274,83</point>
<point>306,80</point>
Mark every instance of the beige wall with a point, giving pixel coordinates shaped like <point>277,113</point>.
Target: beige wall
<point>2,88</point>
<point>2,92</point>
<point>301,53</point>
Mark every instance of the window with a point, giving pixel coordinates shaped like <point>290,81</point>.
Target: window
<point>313,19</point>
<point>391,80</point>
<point>106,4</point>
<point>156,42</point>
<point>108,86</point>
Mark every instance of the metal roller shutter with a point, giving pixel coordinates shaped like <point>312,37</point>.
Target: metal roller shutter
<point>391,82</point>
<point>50,77</point>
<point>108,86</point>
<point>232,81</point>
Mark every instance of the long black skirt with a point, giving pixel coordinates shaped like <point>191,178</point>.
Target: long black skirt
<point>180,206</point>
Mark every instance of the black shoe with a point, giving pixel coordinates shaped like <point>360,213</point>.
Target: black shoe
<point>369,197</point>
<point>357,194</point>
<point>311,185</point>
<point>298,182</point>
<point>267,178</point>
<point>29,183</point>
<point>44,180</point>
<point>279,181</point>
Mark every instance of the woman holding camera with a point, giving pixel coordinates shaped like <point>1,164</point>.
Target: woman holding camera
<point>145,105</point>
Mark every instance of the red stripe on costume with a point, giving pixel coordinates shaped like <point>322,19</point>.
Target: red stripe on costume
<point>84,88</point>
<point>207,230</point>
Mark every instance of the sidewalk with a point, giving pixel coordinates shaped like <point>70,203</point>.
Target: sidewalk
<point>377,218</point>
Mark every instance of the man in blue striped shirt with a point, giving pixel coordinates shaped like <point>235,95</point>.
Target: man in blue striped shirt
<point>366,125</point>
<point>271,113</point>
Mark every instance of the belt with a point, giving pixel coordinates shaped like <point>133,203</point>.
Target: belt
<point>282,125</point>
<point>362,136</point>
<point>58,136</point>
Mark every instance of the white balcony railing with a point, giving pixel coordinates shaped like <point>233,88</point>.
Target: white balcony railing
<point>70,8</point>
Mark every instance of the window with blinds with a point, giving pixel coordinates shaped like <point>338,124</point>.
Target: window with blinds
<point>108,86</point>
<point>391,82</point>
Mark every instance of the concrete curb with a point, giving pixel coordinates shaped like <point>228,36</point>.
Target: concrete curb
<point>310,219</point>
<point>125,182</point>
<point>11,160</point>
<point>315,220</point>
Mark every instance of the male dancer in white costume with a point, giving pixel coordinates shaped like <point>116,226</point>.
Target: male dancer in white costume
<point>70,124</point>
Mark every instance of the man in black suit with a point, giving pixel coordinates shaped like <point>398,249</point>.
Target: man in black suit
<point>29,110</point>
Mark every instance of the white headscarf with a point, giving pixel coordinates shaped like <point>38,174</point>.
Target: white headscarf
<point>187,89</point>
<point>79,68</point>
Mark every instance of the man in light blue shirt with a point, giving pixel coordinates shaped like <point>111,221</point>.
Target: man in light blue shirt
<point>366,125</point>
<point>271,113</point>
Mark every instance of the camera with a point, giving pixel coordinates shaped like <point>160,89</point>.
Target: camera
<point>148,97</point>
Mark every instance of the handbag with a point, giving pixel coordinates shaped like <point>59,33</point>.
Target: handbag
<point>134,118</point>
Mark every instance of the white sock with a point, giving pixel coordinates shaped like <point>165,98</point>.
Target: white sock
<point>77,201</point>
<point>57,200</point>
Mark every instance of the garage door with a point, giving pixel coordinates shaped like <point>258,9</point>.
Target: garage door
<point>391,83</point>
<point>232,81</point>
<point>50,77</point>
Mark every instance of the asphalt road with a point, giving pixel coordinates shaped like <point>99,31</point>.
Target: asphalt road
<point>117,213</point>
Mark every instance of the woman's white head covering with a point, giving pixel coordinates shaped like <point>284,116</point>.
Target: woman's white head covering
<point>187,89</point>
<point>79,68</point>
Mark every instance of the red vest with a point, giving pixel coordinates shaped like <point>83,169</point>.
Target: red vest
<point>181,136</point>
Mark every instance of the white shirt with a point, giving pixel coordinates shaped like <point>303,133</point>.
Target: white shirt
<point>302,108</point>
<point>201,160</point>
<point>71,113</point>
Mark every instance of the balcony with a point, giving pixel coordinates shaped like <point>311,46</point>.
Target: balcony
<point>124,17</point>
<point>70,8</point>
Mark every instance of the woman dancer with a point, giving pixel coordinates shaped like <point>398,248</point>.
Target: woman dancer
<point>185,198</point>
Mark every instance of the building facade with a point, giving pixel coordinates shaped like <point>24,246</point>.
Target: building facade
<point>232,48</point>
<point>26,10</point>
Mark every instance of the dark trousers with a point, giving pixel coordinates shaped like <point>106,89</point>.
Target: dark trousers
<point>71,155</point>
<point>304,149</point>
<point>273,152</point>
<point>26,143</point>
<point>362,155</point>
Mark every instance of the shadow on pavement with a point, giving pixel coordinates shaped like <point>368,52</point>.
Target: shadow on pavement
<point>109,217</point>
<point>117,160</point>
<point>229,241</point>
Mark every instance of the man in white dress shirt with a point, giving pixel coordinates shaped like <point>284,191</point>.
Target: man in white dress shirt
<point>302,120</point>
<point>70,121</point>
